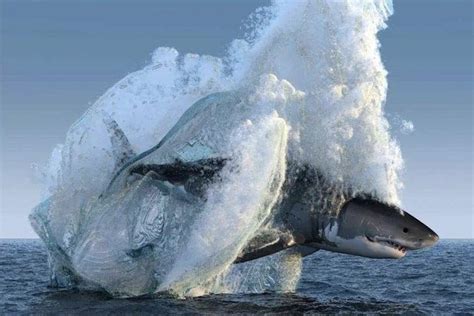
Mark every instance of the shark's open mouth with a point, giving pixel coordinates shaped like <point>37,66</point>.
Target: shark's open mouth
<point>388,243</point>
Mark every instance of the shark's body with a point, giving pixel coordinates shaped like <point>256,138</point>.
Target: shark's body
<point>311,213</point>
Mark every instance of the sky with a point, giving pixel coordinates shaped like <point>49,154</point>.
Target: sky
<point>57,57</point>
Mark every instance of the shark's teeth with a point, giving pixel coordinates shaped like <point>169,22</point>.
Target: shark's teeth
<point>394,245</point>
<point>389,242</point>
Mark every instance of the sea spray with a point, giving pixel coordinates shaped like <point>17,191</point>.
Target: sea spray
<point>236,206</point>
<point>329,50</point>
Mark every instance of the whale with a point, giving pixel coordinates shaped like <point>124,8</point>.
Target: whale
<point>126,240</point>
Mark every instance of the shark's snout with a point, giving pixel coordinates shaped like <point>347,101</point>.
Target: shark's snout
<point>381,230</point>
<point>416,235</point>
<point>428,241</point>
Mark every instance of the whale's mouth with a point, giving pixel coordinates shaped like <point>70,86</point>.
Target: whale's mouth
<point>388,243</point>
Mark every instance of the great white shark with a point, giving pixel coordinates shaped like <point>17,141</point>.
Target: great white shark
<point>346,223</point>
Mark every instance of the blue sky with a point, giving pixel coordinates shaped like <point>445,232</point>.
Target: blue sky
<point>57,57</point>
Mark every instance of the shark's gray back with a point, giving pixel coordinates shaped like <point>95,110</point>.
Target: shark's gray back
<point>309,202</point>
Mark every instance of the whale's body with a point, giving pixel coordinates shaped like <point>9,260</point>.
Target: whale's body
<point>127,239</point>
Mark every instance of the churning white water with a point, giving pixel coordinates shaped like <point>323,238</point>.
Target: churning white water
<point>312,71</point>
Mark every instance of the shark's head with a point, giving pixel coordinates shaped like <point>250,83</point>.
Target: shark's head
<point>373,229</point>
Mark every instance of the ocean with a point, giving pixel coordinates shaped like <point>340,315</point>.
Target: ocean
<point>437,280</point>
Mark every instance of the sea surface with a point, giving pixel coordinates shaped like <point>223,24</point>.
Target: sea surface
<point>432,281</point>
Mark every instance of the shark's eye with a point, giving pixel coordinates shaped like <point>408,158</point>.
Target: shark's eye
<point>405,230</point>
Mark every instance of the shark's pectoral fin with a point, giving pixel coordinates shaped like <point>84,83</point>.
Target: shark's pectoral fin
<point>305,250</point>
<point>264,244</point>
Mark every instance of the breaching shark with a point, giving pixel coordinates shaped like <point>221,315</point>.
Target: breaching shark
<point>311,213</point>
<point>357,225</point>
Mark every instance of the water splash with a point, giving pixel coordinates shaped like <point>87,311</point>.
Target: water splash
<point>314,63</point>
<point>236,206</point>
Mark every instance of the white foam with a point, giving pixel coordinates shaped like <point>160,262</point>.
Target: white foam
<point>236,206</point>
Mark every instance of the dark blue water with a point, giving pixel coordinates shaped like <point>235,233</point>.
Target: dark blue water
<point>432,281</point>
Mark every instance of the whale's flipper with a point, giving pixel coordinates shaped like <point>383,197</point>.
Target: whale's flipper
<point>266,243</point>
<point>193,176</point>
<point>121,148</point>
